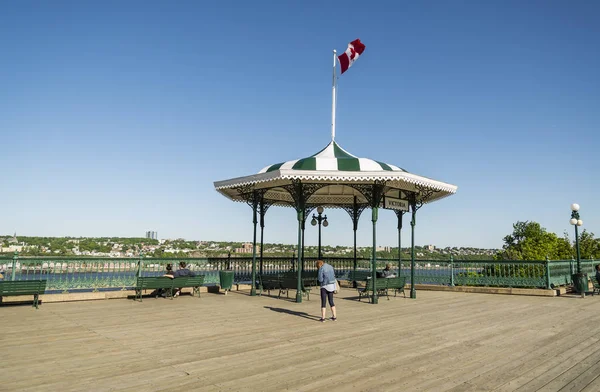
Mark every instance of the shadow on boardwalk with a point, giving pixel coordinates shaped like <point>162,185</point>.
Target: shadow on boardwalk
<point>293,313</point>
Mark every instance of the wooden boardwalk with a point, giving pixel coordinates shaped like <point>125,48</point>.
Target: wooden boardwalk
<point>441,341</point>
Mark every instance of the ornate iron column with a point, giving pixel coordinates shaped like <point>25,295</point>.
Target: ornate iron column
<point>300,193</point>
<point>416,201</point>
<point>300,256</point>
<point>252,197</point>
<point>374,213</point>
<point>374,194</point>
<point>254,222</point>
<point>354,213</point>
<point>301,265</point>
<point>263,207</point>
<point>399,214</point>
<point>413,223</point>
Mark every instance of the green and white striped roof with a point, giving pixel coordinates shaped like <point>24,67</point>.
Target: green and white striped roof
<point>339,170</point>
<point>333,158</point>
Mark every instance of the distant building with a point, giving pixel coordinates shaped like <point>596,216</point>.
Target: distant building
<point>430,248</point>
<point>153,235</point>
<point>246,248</point>
<point>384,249</point>
<point>12,248</point>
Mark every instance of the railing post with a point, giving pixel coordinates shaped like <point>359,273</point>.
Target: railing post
<point>451,270</point>
<point>571,268</point>
<point>14,265</point>
<point>548,272</point>
<point>228,260</point>
<point>139,271</point>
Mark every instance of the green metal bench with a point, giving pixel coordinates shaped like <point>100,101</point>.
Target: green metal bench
<point>189,281</point>
<point>397,284</point>
<point>358,276</point>
<point>169,284</point>
<point>287,283</point>
<point>153,283</point>
<point>270,282</point>
<point>23,287</point>
<point>309,278</point>
<point>381,287</point>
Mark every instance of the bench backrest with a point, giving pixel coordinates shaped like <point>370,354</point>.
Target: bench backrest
<point>396,283</point>
<point>188,281</point>
<point>310,275</point>
<point>289,283</point>
<point>154,282</point>
<point>270,282</point>
<point>380,284</point>
<point>22,287</point>
<point>358,275</point>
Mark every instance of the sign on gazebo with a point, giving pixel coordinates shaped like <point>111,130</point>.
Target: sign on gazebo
<point>391,203</point>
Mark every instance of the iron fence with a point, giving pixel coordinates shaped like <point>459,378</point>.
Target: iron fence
<point>70,274</point>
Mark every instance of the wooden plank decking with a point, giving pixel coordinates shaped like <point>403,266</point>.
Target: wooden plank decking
<point>441,341</point>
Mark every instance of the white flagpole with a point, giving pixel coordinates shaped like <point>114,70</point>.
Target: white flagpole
<point>333,98</point>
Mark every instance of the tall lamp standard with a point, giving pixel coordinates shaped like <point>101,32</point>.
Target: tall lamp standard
<point>579,280</point>
<point>321,220</point>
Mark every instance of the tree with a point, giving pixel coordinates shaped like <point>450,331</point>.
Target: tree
<point>530,241</point>
<point>588,245</point>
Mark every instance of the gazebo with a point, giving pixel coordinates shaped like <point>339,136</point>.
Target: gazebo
<point>335,178</point>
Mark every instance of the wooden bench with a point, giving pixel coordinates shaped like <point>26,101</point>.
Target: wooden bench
<point>397,284</point>
<point>23,287</point>
<point>381,287</point>
<point>168,284</point>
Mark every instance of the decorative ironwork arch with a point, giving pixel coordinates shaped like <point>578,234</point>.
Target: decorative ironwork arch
<point>355,211</point>
<point>301,192</point>
<point>372,192</point>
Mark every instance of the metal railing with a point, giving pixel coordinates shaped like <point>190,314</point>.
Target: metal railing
<point>69,274</point>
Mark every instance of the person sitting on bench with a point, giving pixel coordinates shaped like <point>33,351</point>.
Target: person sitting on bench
<point>168,273</point>
<point>387,272</point>
<point>182,271</point>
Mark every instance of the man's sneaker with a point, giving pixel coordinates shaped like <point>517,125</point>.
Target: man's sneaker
<point>322,320</point>
<point>333,318</point>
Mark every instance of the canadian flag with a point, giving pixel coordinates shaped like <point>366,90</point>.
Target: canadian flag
<point>355,49</point>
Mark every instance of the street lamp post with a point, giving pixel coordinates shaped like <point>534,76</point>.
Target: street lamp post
<point>579,280</point>
<point>320,219</point>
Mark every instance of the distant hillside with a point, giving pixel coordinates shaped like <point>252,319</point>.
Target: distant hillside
<point>131,247</point>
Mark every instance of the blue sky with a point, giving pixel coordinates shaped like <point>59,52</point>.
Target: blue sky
<point>117,117</point>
